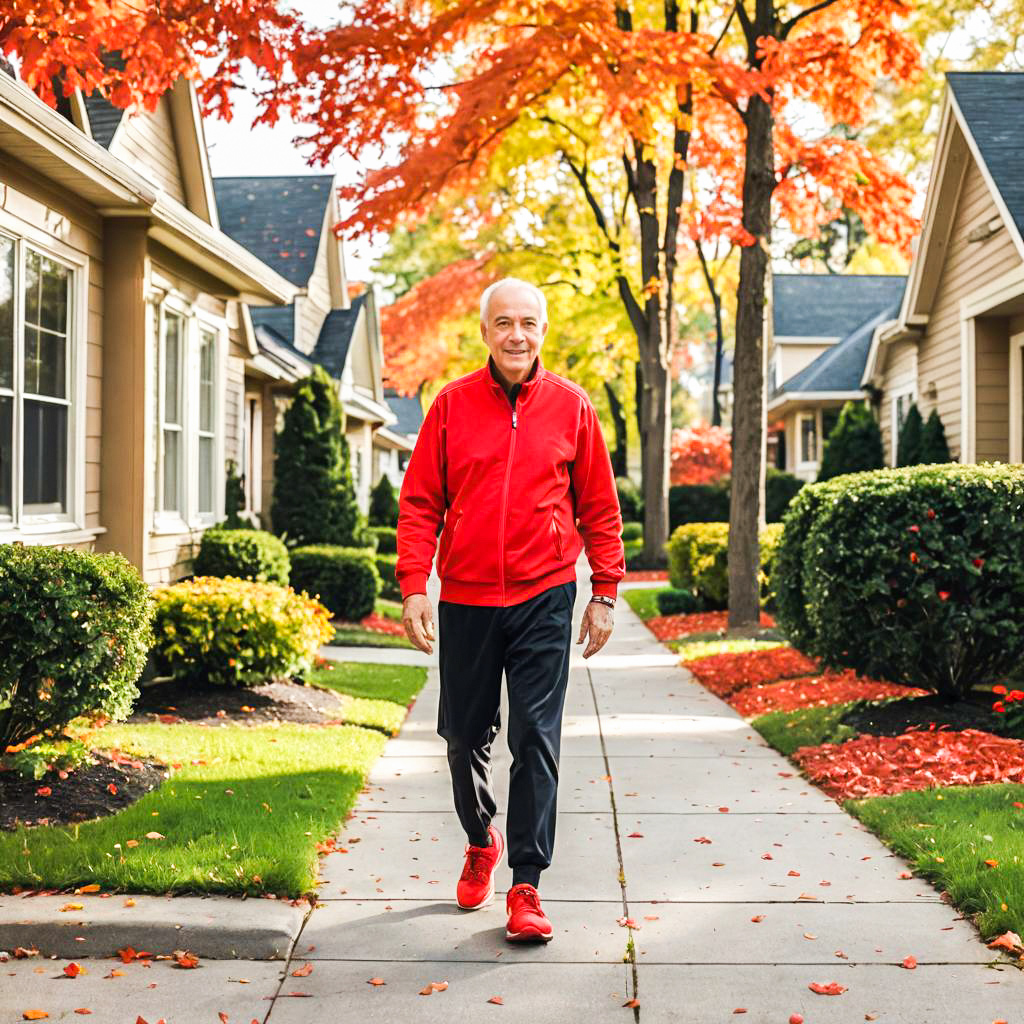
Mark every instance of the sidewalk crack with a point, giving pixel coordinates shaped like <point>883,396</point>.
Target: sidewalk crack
<point>629,957</point>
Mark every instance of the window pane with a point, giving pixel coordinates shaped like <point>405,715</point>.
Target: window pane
<point>52,375</point>
<point>6,313</point>
<point>46,302</point>
<point>6,450</point>
<point>808,441</point>
<point>32,287</point>
<point>45,471</point>
<point>206,382</point>
<point>172,368</point>
<point>172,469</point>
<point>53,299</point>
<point>206,474</point>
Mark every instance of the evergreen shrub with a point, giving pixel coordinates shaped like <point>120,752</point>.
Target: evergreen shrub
<point>346,580</point>
<point>855,445</point>
<point>247,554</point>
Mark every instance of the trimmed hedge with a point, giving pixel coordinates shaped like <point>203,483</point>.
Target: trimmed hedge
<point>632,531</point>
<point>387,539</point>
<point>912,575</point>
<point>389,588</point>
<point>383,504</point>
<point>631,502</point>
<point>698,559</point>
<point>74,634</point>
<point>247,554</point>
<point>709,503</point>
<point>344,579</point>
<point>233,632</point>
<point>677,602</point>
<point>780,489</point>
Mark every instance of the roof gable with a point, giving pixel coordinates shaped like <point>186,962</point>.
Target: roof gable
<point>335,339</point>
<point>278,218</point>
<point>829,305</point>
<point>408,409</point>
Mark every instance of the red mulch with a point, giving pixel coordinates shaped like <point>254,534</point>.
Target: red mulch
<point>377,624</point>
<point>917,759</point>
<point>724,674</point>
<point>674,627</point>
<point>645,576</point>
<point>815,692</point>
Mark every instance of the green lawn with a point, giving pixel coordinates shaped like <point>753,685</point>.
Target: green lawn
<point>690,649</point>
<point>398,683</point>
<point>808,727</point>
<point>347,637</point>
<point>964,826</point>
<point>389,609</point>
<point>291,786</point>
<point>644,600</point>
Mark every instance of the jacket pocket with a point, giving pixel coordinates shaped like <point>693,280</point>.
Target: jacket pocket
<point>447,541</point>
<point>557,536</point>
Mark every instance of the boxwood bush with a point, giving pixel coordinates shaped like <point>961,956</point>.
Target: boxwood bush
<point>698,503</point>
<point>387,538</point>
<point>631,502</point>
<point>345,579</point>
<point>389,587</point>
<point>247,554</point>
<point>913,575</point>
<point>677,602</point>
<point>698,560</point>
<point>229,631</point>
<point>74,634</point>
<point>632,531</point>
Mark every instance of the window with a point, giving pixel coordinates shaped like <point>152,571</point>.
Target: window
<point>35,384</point>
<point>207,435</point>
<point>901,404</point>
<point>171,417</point>
<point>808,428</point>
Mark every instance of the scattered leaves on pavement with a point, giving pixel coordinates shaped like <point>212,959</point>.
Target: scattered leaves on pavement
<point>833,988</point>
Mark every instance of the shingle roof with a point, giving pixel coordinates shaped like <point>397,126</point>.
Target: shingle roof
<point>991,102</point>
<point>104,117</point>
<point>841,366</point>
<point>335,337</point>
<point>829,305</point>
<point>279,319</point>
<point>276,218</point>
<point>408,409</point>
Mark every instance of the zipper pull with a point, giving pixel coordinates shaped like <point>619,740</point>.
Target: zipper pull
<point>515,419</point>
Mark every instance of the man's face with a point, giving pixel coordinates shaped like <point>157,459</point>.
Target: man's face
<point>513,331</point>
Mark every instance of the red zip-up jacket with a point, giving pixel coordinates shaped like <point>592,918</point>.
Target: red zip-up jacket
<point>521,489</point>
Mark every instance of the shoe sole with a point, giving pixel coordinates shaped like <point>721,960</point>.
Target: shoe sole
<point>528,936</point>
<point>489,898</point>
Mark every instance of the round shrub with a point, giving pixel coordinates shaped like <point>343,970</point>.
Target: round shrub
<point>911,575</point>
<point>779,490</point>
<point>698,503</point>
<point>247,554</point>
<point>74,634</point>
<point>389,588</point>
<point>677,602</point>
<point>631,502</point>
<point>233,632</point>
<point>387,539</point>
<point>632,531</point>
<point>345,579</point>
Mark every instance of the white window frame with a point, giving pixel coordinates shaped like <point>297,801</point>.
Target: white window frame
<point>1016,398</point>
<point>908,391</point>
<point>801,463</point>
<point>37,527</point>
<point>195,321</point>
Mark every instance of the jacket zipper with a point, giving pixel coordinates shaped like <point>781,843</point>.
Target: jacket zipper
<point>504,502</point>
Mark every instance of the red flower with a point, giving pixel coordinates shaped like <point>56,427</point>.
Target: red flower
<point>931,513</point>
<point>979,562</point>
<point>999,706</point>
<point>943,595</point>
<point>1015,695</point>
<point>915,528</point>
<point>913,557</point>
<point>999,689</point>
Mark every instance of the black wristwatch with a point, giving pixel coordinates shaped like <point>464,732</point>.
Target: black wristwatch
<point>601,599</point>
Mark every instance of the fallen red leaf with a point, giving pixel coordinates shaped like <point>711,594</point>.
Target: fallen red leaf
<point>909,962</point>
<point>740,1009</point>
<point>672,627</point>
<point>185,959</point>
<point>833,988</point>
<point>376,981</point>
<point>497,1000</point>
<point>72,970</point>
<point>635,835</point>
<point>35,1015</point>
<point>758,918</point>
<point>223,1016</point>
<point>1010,941</point>
<point>302,972</point>
<point>82,1010</point>
<point>632,1003</point>
<point>724,674</point>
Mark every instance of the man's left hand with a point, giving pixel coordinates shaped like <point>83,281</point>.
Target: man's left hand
<point>598,620</point>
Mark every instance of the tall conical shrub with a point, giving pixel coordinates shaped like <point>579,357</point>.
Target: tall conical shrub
<point>933,440</point>
<point>855,444</point>
<point>383,504</point>
<point>314,497</point>
<point>908,448</point>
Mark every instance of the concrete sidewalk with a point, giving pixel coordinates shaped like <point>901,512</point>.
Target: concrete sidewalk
<point>673,813</point>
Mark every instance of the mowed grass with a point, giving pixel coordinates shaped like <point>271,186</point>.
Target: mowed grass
<point>290,787</point>
<point>350,637</point>
<point>948,834</point>
<point>398,683</point>
<point>643,600</point>
<point>691,650</point>
<point>808,727</point>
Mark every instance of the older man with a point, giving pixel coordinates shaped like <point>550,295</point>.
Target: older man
<point>513,459</point>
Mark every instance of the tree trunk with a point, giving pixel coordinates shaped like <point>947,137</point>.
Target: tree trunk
<point>619,422</point>
<point>716,299</point>
<point>748,424</point>
<point>654,449</point>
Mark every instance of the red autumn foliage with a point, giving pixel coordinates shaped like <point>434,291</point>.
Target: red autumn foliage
<point>701,454</point>
<point>917,759</point>
<point>380,624</point>
<point>815,692</point>
<point>645,576</point>
<point>675,627</point>
<point>723,674</point>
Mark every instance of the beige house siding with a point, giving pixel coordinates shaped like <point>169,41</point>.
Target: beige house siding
<point>791,359</point>
<point>56,223</point>
<point>146,141</point>
<point>900,375</point>
<point>968,266</point>
<point>992,389</point>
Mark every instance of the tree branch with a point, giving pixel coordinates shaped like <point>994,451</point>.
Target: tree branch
<point>580,174</point>
<point>797,18</point>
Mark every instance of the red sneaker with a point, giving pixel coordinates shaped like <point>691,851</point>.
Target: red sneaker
<point>526,920</point>
<point>476,885</point>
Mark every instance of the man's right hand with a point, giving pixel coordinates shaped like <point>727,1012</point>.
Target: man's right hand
<point>418,619</point>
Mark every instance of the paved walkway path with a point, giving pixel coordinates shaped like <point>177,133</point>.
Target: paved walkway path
<point>653,767</point>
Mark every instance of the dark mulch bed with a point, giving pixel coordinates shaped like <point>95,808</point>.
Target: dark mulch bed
<point>83,795</point>
<point>896,716</point>
<point>215,705</point>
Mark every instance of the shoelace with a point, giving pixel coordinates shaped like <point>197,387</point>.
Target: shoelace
<point>531,897</point>
<point>476,863</point>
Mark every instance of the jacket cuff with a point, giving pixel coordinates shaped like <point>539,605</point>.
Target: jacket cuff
<point>604,589</point>
<point>414,584</point>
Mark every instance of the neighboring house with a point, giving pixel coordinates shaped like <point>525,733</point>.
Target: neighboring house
<point>394,444</point>
<point>126,345</point>
<point>822,328</point>
<point>287,222</point>
<point>957,343</point>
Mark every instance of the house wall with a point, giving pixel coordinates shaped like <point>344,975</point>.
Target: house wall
<point>968,266</point>
<point>360,441</point>
<point>145,141</point>
<point>313,307</point>
<point>900,375</point>
<point>992,389</point>
<point>55,221</point>
<point>793,358</point>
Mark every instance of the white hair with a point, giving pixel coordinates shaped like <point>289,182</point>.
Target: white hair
<point>485,299</point>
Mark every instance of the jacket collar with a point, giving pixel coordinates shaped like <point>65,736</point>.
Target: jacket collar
<point>535,376</point>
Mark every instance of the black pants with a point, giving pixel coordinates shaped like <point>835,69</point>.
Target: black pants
<point>530,642</point>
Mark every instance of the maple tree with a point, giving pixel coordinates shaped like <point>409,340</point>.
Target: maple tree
<point>701,454</point>
<point>660,113</point>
